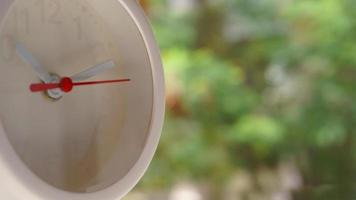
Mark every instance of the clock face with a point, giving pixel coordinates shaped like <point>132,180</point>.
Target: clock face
<point>88,138</point>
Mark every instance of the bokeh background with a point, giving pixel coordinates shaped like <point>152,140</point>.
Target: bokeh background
<point>261,100</point>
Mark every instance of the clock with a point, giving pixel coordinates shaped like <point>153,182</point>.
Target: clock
<point>81,98</point>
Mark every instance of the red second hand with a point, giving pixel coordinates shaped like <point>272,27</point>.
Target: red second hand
<point>66,84</point>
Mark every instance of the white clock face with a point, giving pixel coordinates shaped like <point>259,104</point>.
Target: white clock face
<point>89,138</point>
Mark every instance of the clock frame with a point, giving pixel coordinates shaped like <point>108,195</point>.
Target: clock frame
<point>19,182</point>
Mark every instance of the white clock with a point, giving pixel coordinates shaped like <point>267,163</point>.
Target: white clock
<point>81,98</point>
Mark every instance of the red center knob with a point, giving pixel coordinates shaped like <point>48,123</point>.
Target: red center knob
<point>66,84</point>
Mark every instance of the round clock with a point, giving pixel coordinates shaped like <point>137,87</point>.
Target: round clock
<point>81,98</point>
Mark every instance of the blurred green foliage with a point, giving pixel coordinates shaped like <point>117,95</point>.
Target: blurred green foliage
<point>252,83</point>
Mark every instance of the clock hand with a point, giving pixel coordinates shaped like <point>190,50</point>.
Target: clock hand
<point>66,84</point>
<point>28,58</point>
<point>88,73</point>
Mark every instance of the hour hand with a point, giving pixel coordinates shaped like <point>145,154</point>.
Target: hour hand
<point>86,74</point>
<point>36,66</point>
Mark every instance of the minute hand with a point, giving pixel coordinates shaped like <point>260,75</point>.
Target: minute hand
<point>86,74</point>
<point>36,66</point>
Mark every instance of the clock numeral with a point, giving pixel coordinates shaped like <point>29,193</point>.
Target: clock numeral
<point>41,4</point>
<point>25,15</point>
<point>78,23</point>
<point>84,8</point>
<point>7,49</point>
<point>52,16</point>
<point>22,21</point>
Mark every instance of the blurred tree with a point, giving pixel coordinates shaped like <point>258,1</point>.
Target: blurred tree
<point>145,4</point>
<point>253,83</point>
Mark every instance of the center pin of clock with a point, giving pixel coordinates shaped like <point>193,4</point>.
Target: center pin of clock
<point>57,93</point>
<point>66,84</point>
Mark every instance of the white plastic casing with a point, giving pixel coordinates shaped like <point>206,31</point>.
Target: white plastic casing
<point>17,182</point>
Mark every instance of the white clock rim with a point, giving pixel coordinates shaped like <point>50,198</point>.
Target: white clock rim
<point>18,182</point>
